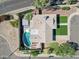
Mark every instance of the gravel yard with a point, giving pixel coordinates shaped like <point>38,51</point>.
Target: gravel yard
<point>10,33</point>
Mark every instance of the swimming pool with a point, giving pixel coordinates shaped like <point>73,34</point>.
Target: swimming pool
<point>26,39</point>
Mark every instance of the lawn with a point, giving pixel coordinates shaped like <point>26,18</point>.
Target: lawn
<point>62,30</point>
<point>63,19</point>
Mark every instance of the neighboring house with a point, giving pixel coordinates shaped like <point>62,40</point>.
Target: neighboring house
<point>41,29</point>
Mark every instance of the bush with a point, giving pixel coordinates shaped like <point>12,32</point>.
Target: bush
<point>50,50</point>
<point>35,52</point>
<point>72,1</point>
<point>28,16</point>
<point>73,45</point>
<point>64,49</point>
<point>77,6</point>
<point>14,23</point>
<point>52,47</point>
<point>65,8</point>
<point>25,51</point>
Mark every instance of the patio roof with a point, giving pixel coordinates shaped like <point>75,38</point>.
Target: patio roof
<point>40,23</point>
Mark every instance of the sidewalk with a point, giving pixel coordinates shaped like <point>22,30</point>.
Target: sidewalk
<point>19,10</point>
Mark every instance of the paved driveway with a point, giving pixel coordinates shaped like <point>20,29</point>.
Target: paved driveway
<point>74,29</point>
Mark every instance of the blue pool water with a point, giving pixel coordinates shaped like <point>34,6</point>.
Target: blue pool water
<point>26,39</point>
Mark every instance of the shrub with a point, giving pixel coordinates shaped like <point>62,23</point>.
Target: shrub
<point>35,52</point>
<point>77,6</point>
<point>52,47</point>
<point>28,16</point>
<point>50,50</point>
<point>25,51</point>
<point>14,23</point>
<point>72,1</point>
<point>64,49</point>
<point>66,8</point>
<point>73,45</point>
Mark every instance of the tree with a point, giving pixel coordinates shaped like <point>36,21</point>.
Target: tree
<point>39,4</point>
<point>63,49</point>
<point>71,1</point>
<point>28,16</point>
<point>53,46</point>
<point>35,52</point>
<point>14,23</point>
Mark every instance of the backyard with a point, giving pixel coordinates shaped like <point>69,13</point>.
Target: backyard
<point>63,19</point>
<point>54,49</point>
<point>62,30</point>
<point>63,49</point>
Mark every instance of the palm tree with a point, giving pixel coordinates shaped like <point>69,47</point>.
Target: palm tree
<point>39,4</point>
<point>28,16</point>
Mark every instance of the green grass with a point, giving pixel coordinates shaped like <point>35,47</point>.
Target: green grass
<point>62,30</point>
<point>14,23</point>
<point>63,19</point>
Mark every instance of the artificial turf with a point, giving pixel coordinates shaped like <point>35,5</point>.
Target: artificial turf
<point>63,19</point>
<point>62,30</point>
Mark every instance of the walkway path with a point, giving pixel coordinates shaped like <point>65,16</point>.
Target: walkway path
<point>63,23</point>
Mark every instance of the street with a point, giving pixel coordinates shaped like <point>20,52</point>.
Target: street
<point>14,5</point>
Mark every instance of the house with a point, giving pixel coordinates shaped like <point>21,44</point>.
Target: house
<point>41,29</point>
